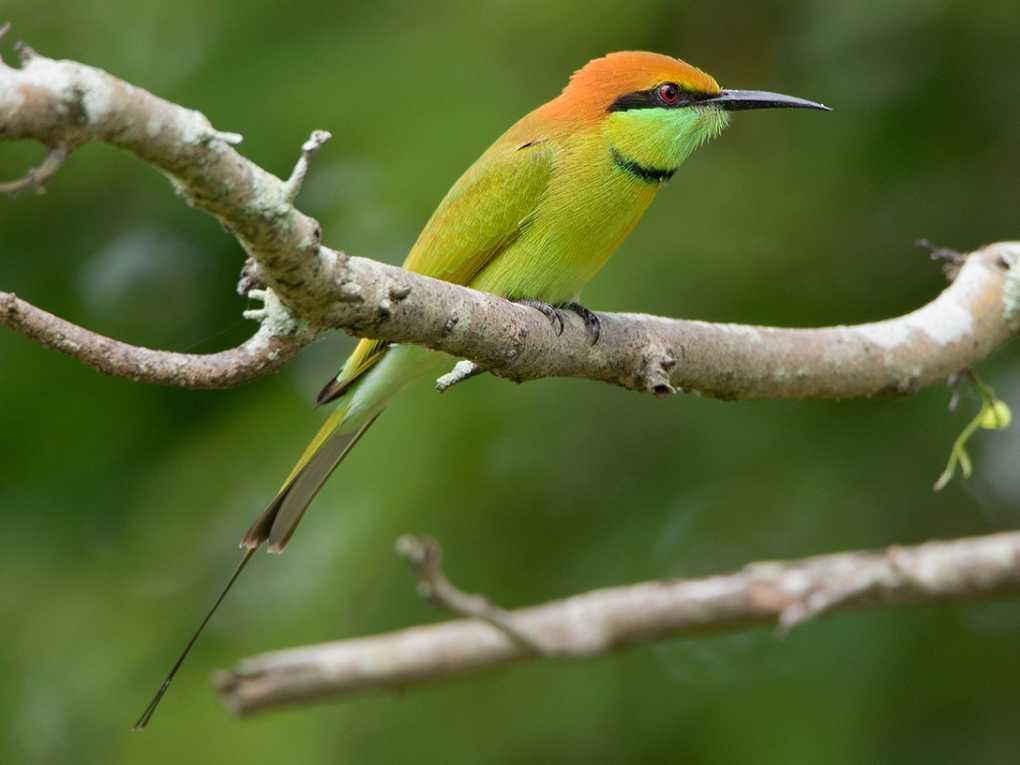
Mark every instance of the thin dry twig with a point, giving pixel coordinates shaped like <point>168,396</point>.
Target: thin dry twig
<point>308,149</point>
<point>425,555</point>
<point>462,370</point>
<point>37,177</point>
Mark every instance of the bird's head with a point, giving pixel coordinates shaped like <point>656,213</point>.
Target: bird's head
<point>656,109</point>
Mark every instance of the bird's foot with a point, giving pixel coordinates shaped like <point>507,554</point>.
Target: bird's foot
<point>590,318</point>
<point>551,312</point>
<point>555,315</point>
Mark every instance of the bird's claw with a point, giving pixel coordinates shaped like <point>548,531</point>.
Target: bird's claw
<point>549,311</point>
<point>554,313</point>
<point>590,318</point>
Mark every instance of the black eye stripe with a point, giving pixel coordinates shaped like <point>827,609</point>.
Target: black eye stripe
<point>649,99</point>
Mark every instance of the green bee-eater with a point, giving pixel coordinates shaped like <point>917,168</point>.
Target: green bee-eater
<point>532,220</point>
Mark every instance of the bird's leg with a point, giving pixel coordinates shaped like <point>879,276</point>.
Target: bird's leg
<point>550,312</point>
<point>590,318</point>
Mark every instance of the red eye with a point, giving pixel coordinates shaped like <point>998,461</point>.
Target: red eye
<point>669,94</point>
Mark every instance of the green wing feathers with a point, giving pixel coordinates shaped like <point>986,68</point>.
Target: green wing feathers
<point>484,213</point>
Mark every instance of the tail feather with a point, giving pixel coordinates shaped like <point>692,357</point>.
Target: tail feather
<point>277,522</point>
<point>302,489</point>
<point>150,710</point>
<point>259,531</point>
<point>338,435</point>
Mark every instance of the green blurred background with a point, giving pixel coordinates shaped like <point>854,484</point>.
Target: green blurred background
<point>121,503</point>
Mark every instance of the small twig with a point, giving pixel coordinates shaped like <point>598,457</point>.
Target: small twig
<point>37,177</point>
<point>308,149</point>
<point>425,555</point>
<point>952,260</point>
<point>229,138</point>
<point>25,52</point>
<point>994,414</point>
<point>462,370</point>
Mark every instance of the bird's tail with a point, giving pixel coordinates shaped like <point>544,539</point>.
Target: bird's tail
<point>373,375</point>
<point>359,405</point>
<point>277,522</point>
<point>326,451</point>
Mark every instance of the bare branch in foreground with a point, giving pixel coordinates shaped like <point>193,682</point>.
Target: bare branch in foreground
<point>260,355</point>
<point>63,103</point>
<point>583,626</point>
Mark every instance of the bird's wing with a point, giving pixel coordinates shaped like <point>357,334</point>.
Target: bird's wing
<point>484,212</point>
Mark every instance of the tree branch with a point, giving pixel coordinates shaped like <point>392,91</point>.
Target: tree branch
<point>784,593</point>
<point>260,355</point>
<point>63,103</point>
<point>962,326</point>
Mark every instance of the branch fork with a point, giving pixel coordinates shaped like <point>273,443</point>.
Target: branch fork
<point>425,556</point>
<point>37,177</point>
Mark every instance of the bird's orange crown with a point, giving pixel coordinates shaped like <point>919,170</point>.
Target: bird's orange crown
<point>595,86</point>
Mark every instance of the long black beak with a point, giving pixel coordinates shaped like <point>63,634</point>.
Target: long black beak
<point>739,100</point>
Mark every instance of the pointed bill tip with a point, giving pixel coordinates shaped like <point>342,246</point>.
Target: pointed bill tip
<point>741,100</point>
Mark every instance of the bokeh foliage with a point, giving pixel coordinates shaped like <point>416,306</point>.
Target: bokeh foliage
<point>121,503</point>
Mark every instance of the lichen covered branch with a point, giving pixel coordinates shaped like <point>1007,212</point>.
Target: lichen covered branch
<point>785,593</point>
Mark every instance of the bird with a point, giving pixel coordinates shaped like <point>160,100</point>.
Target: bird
<point>533,220</point>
